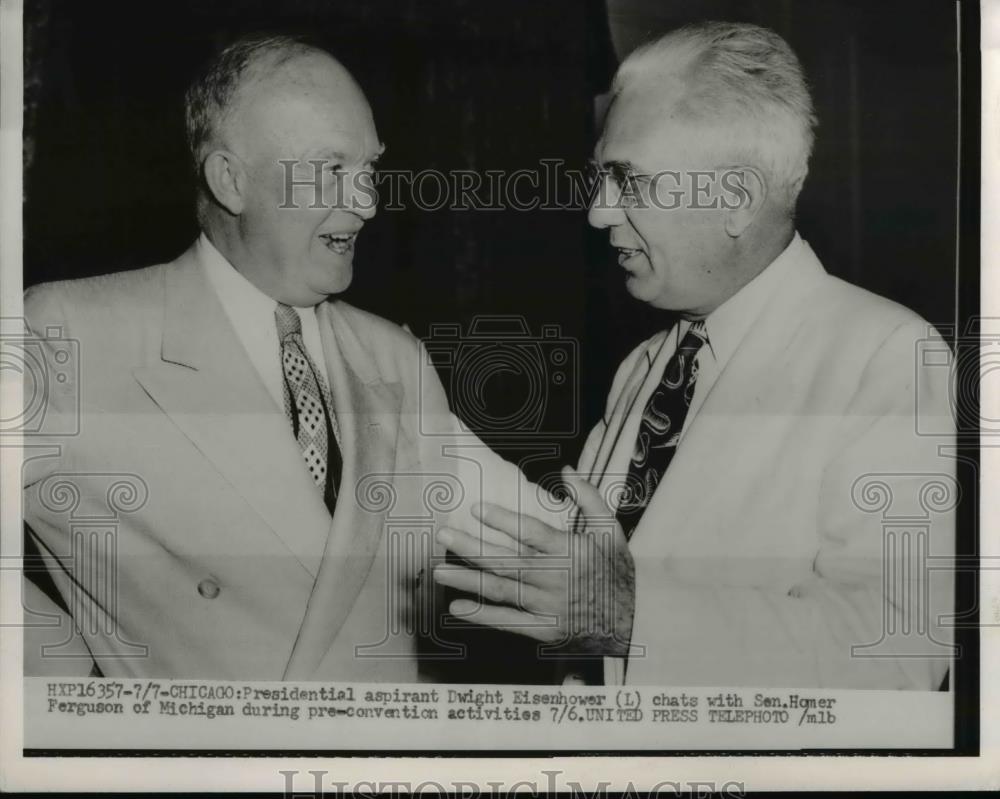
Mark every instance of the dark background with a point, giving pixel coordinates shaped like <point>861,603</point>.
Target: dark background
<point>467,84</point>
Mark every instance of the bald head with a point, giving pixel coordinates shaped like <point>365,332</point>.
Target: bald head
<point>252,71</point>
<point>308,100</point>
<point>284,144</point>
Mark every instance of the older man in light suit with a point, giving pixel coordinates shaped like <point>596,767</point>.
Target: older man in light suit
<point>731,533</point>
<point>283,453</point>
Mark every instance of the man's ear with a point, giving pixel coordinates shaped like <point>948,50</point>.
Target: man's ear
<point>226,179</point>
<point>744,191</point>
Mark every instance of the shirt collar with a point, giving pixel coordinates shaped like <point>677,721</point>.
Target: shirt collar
<point>240,297</point>
<point>727,325</point>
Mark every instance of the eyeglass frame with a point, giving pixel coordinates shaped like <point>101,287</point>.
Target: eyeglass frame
<point>628,179</point>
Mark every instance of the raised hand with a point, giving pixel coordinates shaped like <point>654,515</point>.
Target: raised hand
<point>569,587</point>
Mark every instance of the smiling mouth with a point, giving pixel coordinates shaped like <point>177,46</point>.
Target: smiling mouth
<point>340,243</point>
<point>625,254</point>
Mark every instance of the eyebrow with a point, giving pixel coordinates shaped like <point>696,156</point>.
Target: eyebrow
<point>628,165</point>
<point>337,155</point>
<point>328,155</point>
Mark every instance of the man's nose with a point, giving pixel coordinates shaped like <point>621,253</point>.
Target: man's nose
<point>364,196</point>
<point>605,209</point>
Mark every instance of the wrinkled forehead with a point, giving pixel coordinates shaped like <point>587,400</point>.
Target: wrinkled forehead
<point>648,127</point>
<point>307,104</point>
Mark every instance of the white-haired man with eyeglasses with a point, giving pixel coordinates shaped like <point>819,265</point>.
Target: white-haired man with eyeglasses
<point>733,529</point>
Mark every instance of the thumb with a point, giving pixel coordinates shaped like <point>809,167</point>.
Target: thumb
<point>586,496</point>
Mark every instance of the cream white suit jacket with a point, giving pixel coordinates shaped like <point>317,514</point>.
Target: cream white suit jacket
<point>220,559</point>
<point>792,540</point>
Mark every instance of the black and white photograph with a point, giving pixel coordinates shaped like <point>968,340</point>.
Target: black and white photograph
<point>443,379</point>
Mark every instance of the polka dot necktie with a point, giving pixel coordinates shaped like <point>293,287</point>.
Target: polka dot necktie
<point>660,428</point>
<point>308,406</point>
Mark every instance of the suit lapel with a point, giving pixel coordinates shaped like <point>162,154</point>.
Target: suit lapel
<point>615,453</point>
<point>609,456</point>
<point>206,384</point>
<point>368,415</point>
<point>730,415</point>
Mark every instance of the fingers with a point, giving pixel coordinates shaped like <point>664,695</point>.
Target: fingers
<point>507,619</point>
<point>521,527</point>
<point>586,496</point>
<point>490,537</point>
<point>495,537</point>
<point>490,586</point>
<point>528,566</point>
<point>593,509</point>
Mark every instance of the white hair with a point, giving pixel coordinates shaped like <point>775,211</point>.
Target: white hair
<point>746,83</point>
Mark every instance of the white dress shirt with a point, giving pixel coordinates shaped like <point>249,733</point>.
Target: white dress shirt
<point>251,313</point>
<point>725,327</point>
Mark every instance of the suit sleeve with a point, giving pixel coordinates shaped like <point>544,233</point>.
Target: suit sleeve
<point>872,612</point>
<point>481,474</point>
<point>52,645</point>
<point>51,375</point>
<point>51,378</point>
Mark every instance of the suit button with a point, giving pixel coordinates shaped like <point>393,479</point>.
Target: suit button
<point>208,588</point>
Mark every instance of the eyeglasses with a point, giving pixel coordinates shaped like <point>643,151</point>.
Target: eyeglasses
<point>625,179</point>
